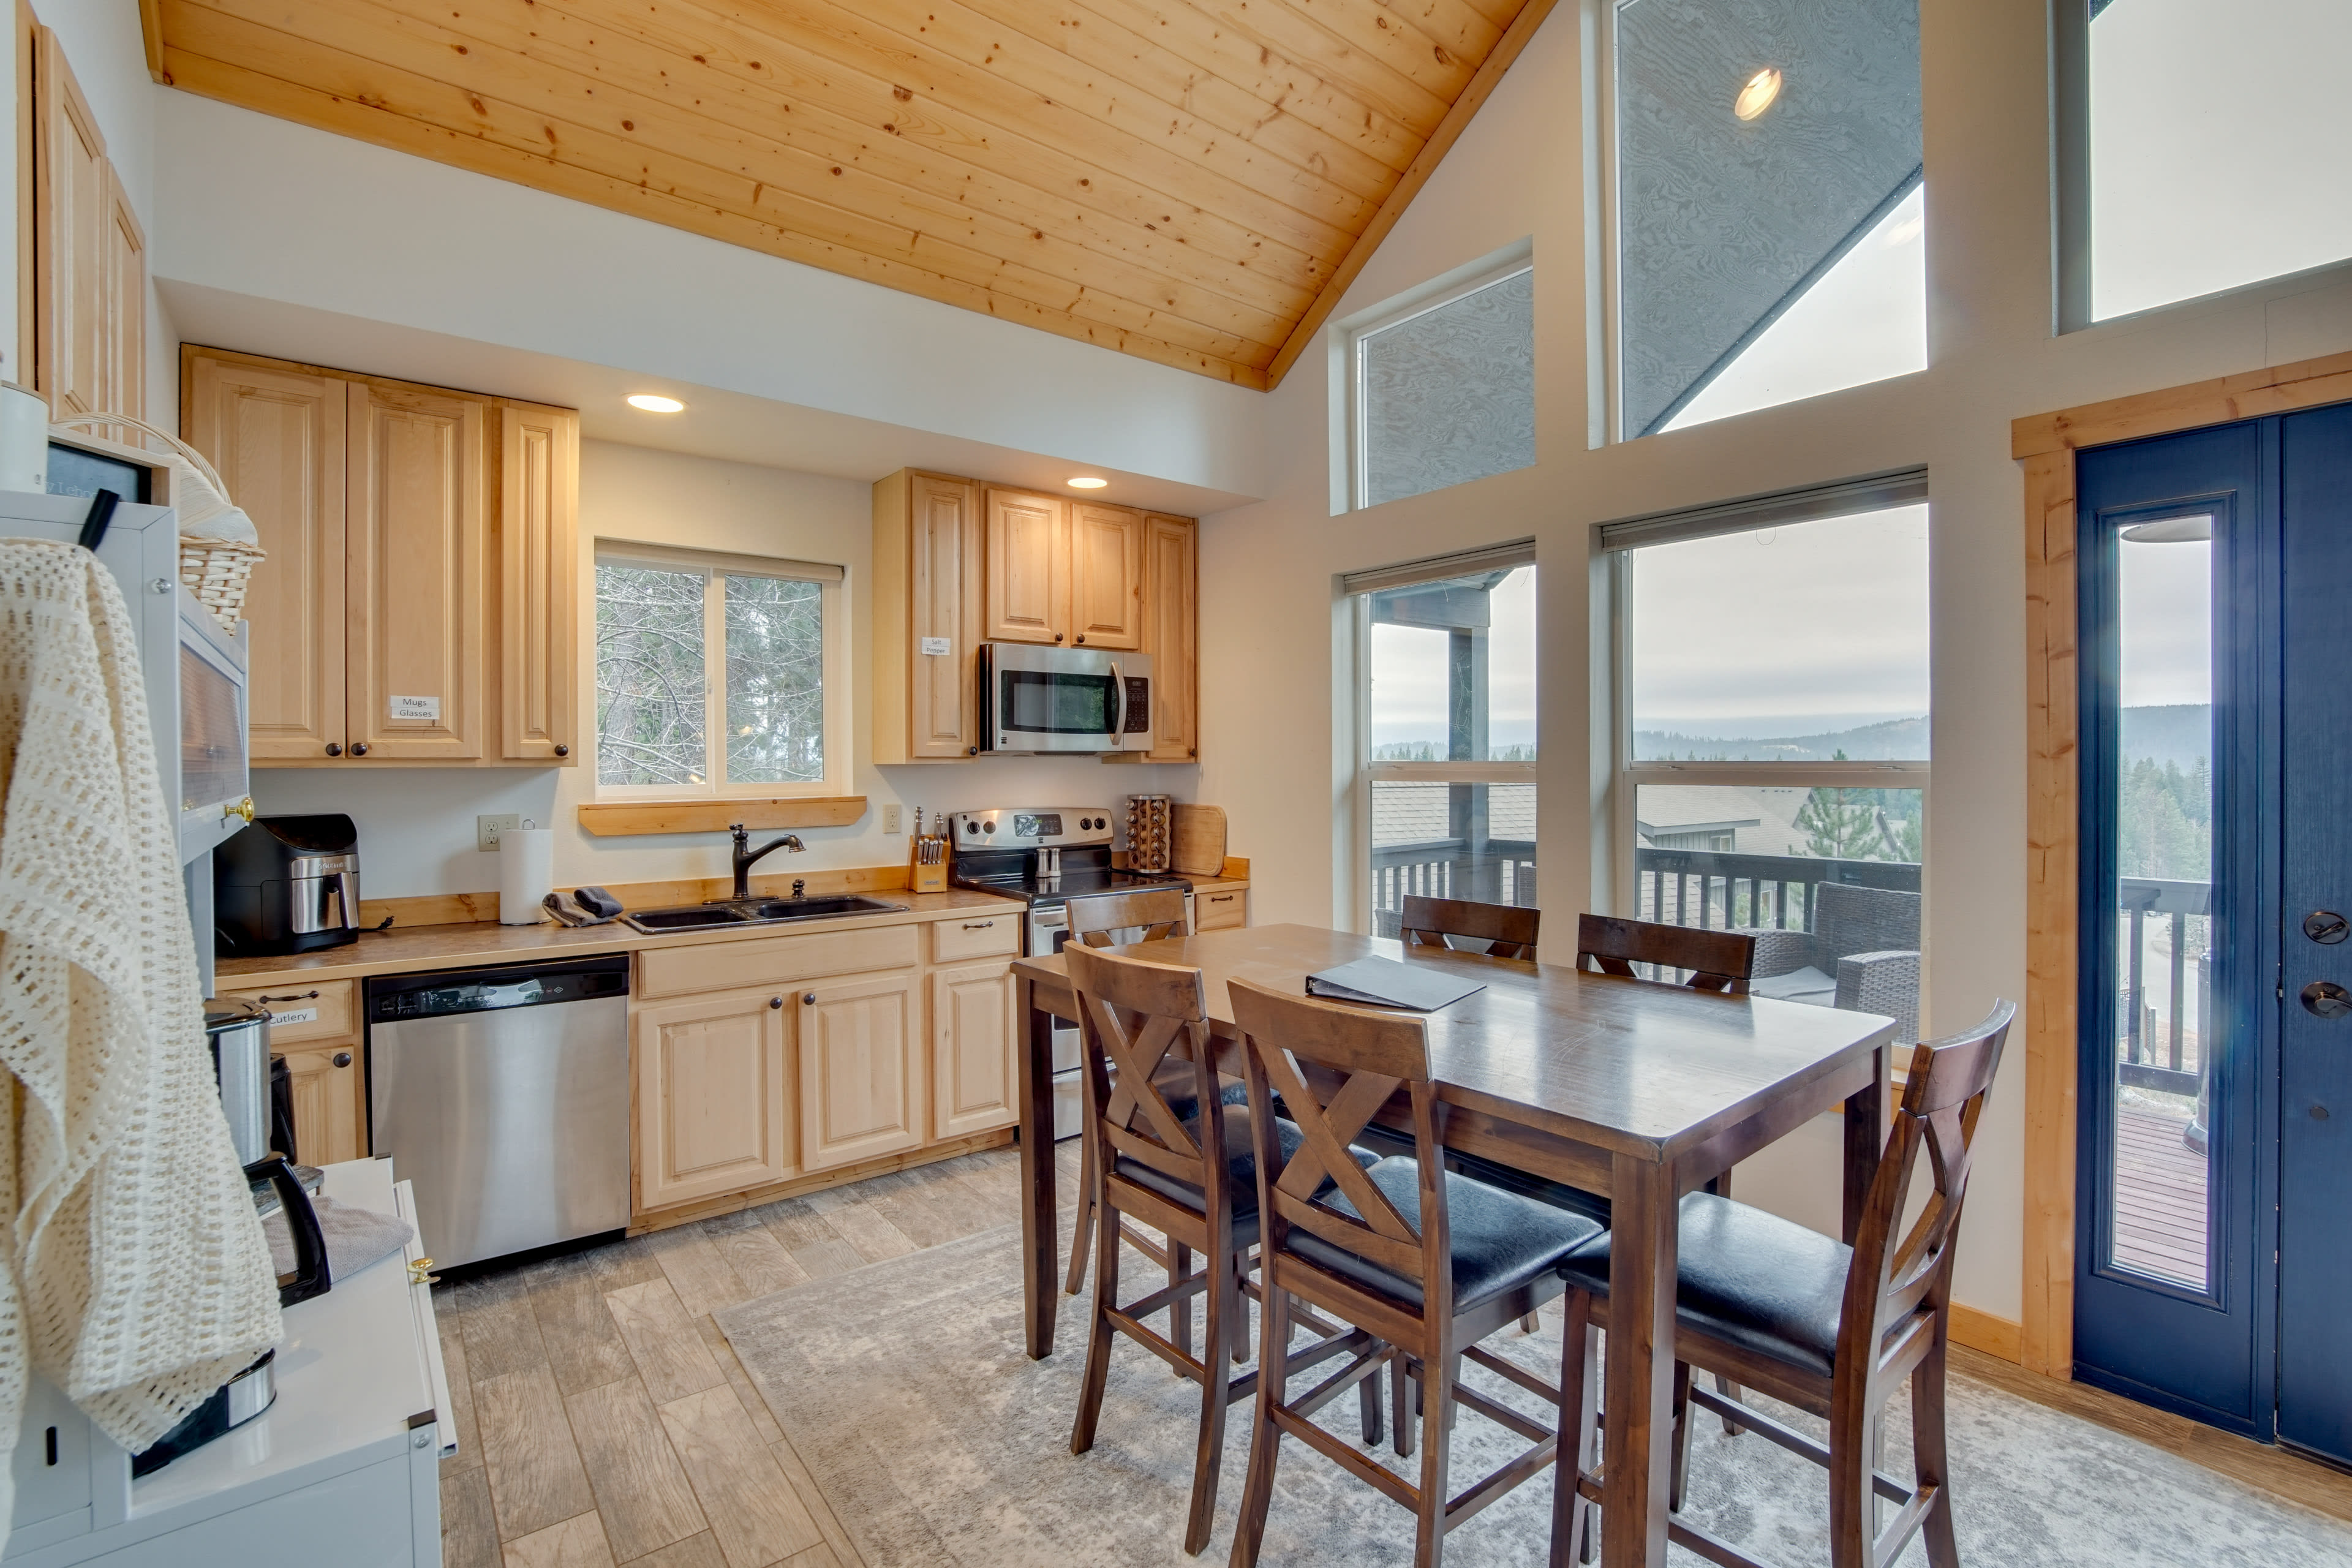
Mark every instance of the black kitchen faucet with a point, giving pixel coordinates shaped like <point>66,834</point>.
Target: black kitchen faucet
<point>746,857</point>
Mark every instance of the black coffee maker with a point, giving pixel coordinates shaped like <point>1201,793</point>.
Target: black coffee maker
<point>287,884</point>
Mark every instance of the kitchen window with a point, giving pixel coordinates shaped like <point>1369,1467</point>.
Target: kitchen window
<point>717,676</point>
<point>1773,734</point>
<point>1446,775</point>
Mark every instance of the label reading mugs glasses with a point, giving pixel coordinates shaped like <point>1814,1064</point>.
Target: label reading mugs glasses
<point>294,1015</point>
<point>426,708</point>
<point>939,646</point>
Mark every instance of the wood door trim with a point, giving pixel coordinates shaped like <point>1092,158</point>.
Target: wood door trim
<point>2045,445</point>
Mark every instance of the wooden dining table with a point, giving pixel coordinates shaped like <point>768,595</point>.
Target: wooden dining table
<point>1632,1088</point>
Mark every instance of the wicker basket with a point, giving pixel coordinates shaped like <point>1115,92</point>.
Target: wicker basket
<point>216,571</point>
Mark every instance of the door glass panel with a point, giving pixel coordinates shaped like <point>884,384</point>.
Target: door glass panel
<point>2159,1197</point>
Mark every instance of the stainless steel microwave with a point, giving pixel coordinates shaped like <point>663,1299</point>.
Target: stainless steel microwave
<point>1039,699</point>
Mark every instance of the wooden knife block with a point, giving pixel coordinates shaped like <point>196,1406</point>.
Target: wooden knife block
<point>922,879</point>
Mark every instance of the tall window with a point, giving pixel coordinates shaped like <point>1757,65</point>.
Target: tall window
<point>714,674</point>
<point>1441,387</point>
<point>1448,780</point>
<point>1770,216</point>
<point>1773,747</point>
<point>2201,142</point>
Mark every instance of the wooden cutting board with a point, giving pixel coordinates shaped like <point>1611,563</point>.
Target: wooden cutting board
<point>1200,840</point>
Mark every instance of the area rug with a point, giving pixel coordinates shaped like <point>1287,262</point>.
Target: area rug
<point>936,1441</point>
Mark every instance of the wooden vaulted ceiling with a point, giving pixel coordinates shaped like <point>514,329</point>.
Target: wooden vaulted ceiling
<point>1193,181</point>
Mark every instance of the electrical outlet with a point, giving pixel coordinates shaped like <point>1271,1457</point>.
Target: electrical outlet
<point>488,829</point>
<point>890,823</point>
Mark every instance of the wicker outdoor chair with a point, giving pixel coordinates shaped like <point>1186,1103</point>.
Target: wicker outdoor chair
<point>1863,953</point>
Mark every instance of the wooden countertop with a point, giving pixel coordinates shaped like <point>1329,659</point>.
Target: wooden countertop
<point>402,952</point>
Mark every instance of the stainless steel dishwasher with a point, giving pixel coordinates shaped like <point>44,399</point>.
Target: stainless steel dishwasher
<point>503,1094</point>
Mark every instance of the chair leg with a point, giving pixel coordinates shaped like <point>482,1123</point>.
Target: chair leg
<point>1266,1437</point>
<point>1721,1187</point>
<point>1579,1365</point>
<point>1179,1313</point>
<point>1089,1202</point>
<point>1853,1445</point>
<point>1402,1388</point>
<point>1367,1400</point>
<point>1681,1474</point>
<point>1208,1456</point>
<point>1531,1323</point>
<point>1932,1468</point>
<point>1090,1394</point>
<point>1438,1375</point>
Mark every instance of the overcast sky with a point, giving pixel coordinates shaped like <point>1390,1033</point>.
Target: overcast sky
<point>1409,673</point>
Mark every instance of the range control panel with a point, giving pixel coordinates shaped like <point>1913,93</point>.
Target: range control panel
<point>1031,826</point>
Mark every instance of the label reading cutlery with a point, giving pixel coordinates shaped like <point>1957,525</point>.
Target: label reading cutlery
<point>294,1015</point>
<point>424,708</point>
<point>941,646</point>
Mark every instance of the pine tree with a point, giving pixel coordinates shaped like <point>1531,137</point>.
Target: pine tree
<point>1840,824</point>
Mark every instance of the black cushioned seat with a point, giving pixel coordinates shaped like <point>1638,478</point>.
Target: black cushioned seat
<point>1748,1277</point>
<point>1500,1239</point>
<point>1558,1194</point>
<point>1241,1164</point>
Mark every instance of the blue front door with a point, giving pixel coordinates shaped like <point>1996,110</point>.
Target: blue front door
<point>2213,1258</point>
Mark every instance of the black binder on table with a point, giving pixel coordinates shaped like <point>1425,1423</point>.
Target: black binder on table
<point>1385,983</point>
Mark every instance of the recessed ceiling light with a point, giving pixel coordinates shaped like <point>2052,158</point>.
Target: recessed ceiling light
<point>1087,482</point>
<point>1757,94</point>
<point>655,403</point>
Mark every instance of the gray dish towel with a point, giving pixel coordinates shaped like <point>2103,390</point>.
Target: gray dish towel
<point>355,1238</point>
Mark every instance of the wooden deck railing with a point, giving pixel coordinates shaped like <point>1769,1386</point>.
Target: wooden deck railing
<point>2184,909</point>
<point>1504,873</point>
<point>1716,888</point>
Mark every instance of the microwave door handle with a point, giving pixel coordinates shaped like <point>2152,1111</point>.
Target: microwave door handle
<point>1119,721</point>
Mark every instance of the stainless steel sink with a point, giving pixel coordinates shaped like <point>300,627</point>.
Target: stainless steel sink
<point>756,912</point>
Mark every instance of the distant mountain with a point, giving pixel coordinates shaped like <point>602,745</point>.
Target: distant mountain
<point>2178,733</point>
<point>1894,740</point>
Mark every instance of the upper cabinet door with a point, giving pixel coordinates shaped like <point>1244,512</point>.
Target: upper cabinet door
<point>73,207</point>
<point>943,718</point>
<point>417,574</point>
<point>123,380</point>
<point>1106,576</point>
<point>276,437</point>
<point>1028,568</point>
<point>538,486</point>
<point>1173,629</point>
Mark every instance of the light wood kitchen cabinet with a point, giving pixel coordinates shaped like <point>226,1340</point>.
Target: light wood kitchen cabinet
<point>1028,568</point>
<point>89,289</point>
<point>1105,577</point>
<point>1171,621</point>
<point>416,573</point>
<point>331,1111</point>
<point>714,1096</point>
<point>926,617</point>
<point>538,581</point>
<point>976,1077</point>
<point>860,1072</point>
<point>418,601</point>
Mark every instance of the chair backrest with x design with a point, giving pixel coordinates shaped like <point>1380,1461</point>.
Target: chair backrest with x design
<point>1103,920</point>
<point>1498,930</point>
<point>1895,1291</point>
<point>1133,1017</point>
<point>1717,960</point>
<point>1335,1069</point>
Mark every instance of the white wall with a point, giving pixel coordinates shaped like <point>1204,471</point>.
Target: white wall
<point>1269,747</point>
<point>416,824</point>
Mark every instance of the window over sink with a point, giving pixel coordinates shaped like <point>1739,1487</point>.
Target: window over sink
<point>718,675</point>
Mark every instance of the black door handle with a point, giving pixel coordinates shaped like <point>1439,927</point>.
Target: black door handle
<point>2325,999</point>
<point>2326,926</point>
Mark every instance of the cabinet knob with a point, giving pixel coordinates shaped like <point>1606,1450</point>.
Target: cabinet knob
<point>334,749</point>
<point>563,750</point>
<point>808,998</point>
<point>359,748</point>
<point>342,1059</point>
<point>1082,637</point>
<point>1057,636</point>
<point>775,1001</point>
<point>243,808</point>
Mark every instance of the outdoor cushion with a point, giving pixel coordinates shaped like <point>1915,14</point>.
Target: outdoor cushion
<point>1806,985</point>
<point>1500,1239</point>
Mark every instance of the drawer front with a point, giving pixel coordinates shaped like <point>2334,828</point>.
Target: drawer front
<point>979,934</point>
<point>303,1011</point>
<point>1215,912</point>
<point>772,961</point>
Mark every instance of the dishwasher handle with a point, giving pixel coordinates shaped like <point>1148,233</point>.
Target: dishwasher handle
<point>399,998</point>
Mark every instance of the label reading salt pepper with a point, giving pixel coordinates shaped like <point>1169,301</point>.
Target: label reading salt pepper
<point>941,646</point>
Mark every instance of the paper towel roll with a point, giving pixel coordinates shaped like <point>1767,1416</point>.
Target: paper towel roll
<point>526,874</point>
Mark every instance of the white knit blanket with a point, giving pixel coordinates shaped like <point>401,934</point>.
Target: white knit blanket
<point>133,1270</point>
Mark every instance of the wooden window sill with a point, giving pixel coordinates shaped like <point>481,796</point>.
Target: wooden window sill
<point>702,814</point>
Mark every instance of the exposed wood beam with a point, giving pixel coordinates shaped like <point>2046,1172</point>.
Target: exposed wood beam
<point>1433,152</point>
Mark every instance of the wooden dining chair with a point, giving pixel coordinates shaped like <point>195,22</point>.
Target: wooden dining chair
<point>1508,931</point>
<point>1112,920</point>
<point>1830,1329</point>
<point>1430,1262</point>
<point>1190,1174</point>
<point>1714,960</point>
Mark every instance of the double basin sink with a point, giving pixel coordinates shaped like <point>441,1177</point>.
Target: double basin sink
<point>734,916</point>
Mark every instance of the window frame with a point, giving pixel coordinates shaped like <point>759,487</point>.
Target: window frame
<point>1615,542</point>
<point>1351,455</point>
<point>715,566</point>
<point>1357,590</point>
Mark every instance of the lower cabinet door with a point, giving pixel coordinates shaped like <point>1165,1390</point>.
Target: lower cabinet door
<point>329,1093</point>
<point>714,1096</point>
<point>975,1078</point>
<point>861,1079</point>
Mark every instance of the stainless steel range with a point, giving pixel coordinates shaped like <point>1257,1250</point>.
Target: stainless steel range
<point>1046,855</point>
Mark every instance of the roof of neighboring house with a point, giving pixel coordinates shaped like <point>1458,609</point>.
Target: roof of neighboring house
<point>1417,812</point>
<point>1762,819</point>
